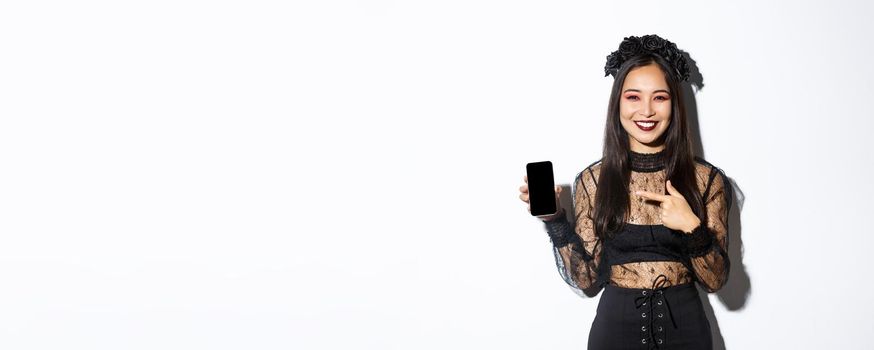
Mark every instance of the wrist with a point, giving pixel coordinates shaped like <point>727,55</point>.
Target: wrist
<point>699,242</point>
<point>560,231</point>
<point>690,229</point>
<point>552,217</point>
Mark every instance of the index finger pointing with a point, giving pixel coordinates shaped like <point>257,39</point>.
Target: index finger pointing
<point>650,195</point>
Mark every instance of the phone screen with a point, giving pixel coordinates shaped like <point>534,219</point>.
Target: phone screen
<point>541,188</point>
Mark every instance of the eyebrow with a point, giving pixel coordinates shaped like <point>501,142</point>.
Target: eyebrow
<point>636,90</point>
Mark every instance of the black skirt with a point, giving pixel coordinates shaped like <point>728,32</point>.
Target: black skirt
<point>656,318</point>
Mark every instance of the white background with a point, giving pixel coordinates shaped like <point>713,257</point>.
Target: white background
<point>344,174</point>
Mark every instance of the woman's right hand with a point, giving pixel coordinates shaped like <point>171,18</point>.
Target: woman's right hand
<point>524,197</point>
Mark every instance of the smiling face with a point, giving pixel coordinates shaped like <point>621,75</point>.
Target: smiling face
<point>645,108</point>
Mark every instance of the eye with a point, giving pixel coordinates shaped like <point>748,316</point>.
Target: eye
<point>632,97</point>
<point>664,98</point>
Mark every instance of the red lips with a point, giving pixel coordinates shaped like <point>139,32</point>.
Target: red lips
<point>646,128</point>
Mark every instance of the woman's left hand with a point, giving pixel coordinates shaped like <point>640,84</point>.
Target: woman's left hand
<point>676,213</point>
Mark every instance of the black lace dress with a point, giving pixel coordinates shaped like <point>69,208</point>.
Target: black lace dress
<point>646,269</point>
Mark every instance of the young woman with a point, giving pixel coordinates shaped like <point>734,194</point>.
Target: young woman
<point>651,218</point>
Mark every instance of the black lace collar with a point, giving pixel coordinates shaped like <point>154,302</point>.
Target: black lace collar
<point>647,162</point>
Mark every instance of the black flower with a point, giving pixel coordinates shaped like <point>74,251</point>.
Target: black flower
<point>632,46</point>
<point>613,62</point>
<point>652,42</point>
<point>668,54</point>
<point>682,67</point>
<point>629,47</point>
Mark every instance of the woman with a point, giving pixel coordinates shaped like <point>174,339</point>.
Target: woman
<point>651,218</point>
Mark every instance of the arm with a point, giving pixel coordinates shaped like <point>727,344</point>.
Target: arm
<point>576,248</point>
<point>707,245</point>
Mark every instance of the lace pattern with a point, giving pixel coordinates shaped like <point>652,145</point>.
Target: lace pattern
<point>580,255</point>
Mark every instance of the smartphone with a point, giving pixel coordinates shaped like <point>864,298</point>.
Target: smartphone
<point>541,188</point>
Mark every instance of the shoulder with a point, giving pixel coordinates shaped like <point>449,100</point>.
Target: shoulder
<point>586,179</point>
<point>710,177</point>
<point>590,173</point>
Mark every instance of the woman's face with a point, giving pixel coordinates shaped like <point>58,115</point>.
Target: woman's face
<point>645,108</point>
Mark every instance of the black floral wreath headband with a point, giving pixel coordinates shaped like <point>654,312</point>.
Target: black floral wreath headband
<point>632,46</point>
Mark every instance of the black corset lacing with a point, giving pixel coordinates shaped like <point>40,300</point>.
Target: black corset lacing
<point>650,298</point>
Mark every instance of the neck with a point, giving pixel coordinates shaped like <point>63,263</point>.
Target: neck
<point>647,162</point>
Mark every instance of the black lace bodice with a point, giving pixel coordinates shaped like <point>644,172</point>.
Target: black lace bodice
<point>645,248</point>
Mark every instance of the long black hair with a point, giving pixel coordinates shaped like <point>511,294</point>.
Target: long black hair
<point>612,202</point>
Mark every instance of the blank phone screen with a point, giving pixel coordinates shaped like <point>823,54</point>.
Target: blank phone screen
<point>541,188</point>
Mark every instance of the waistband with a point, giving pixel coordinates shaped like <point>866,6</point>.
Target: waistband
<point>638,291</point>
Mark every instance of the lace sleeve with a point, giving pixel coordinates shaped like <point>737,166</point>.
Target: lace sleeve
<point>576,249</point>
<point>707,245</point>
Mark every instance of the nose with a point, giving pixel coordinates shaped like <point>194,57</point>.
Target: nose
<point>647,109</point>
